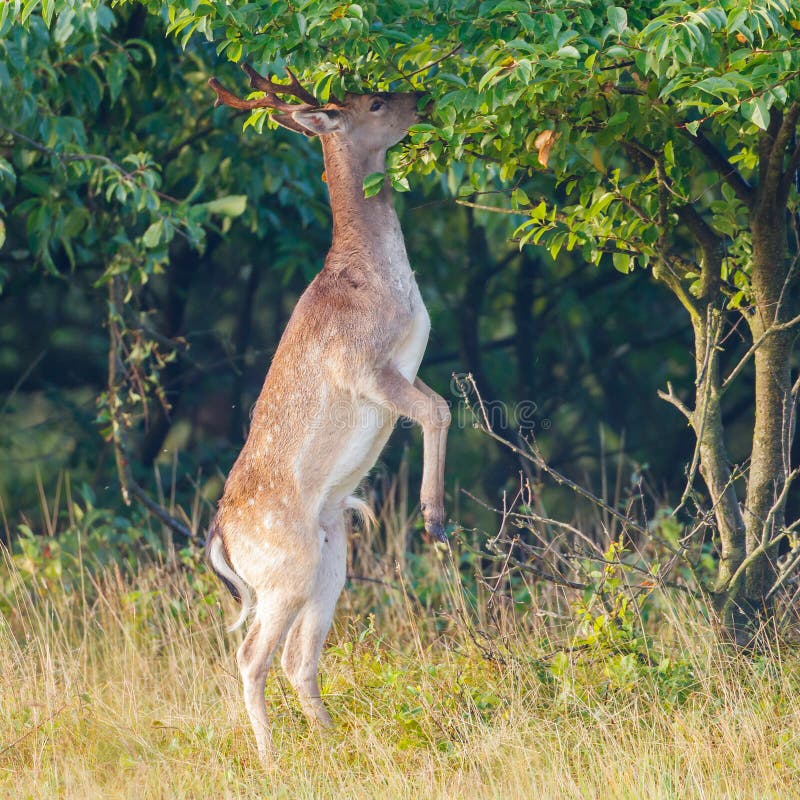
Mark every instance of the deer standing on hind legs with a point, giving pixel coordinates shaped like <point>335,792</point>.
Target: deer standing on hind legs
<point>344,371</point>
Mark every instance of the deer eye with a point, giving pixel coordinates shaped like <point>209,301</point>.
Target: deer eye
<point>377,105</point>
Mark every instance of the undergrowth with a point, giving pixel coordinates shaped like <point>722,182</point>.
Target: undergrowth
<point>118,680</point>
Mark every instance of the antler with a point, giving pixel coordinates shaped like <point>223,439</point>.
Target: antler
<point>270,89</point>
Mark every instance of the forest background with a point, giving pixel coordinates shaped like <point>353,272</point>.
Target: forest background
<point>601,208</point>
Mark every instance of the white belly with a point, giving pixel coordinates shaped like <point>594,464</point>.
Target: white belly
<point>358,449</point>
<point>372,424</point>
<point>408,354</point>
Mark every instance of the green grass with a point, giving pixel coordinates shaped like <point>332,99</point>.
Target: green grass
<point>121,683</point>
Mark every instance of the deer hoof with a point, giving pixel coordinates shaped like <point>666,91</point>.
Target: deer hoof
<point>436,529</point>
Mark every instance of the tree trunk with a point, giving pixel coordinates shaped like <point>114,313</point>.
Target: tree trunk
<point>769,461</point>
<point>714,464</point>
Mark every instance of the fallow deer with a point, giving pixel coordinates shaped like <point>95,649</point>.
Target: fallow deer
<point>344,371</point>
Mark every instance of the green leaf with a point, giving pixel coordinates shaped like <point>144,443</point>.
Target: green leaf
<point>622,262</point>
<point>617,19</point>
<point>560,664</point>
<point>48,7</point>
<point>760,113</point>
<point>519,198</point>
<point>568,51</point>
<point>115,74</point>
<point>373,183</point>
<point>152,236</point>
<point>420,127</point>
<point>401,184</point>
<point>232,205</point>
<point>7,174</point>
<point>146,46</point>
<point>450,78</point>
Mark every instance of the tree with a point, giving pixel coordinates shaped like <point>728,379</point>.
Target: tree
<point>688,117</point>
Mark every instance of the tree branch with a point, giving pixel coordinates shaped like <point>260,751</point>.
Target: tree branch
<point>448,54</point>
<point>673,280</point>
<point>763,547</point>
<point>773,148</point>
<point>782,326</point>
<point>536,458</point>
<point>729,173</point>
<point>773,178</point>
<point>62,157</point>
<point>673,399</point>
<point>712,248</point>
<point>701,230</point>
<point>495,209</point>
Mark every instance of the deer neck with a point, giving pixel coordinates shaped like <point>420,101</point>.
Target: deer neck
<point>361,224</point>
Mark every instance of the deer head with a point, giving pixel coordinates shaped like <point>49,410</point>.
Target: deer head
<point>371,122</point>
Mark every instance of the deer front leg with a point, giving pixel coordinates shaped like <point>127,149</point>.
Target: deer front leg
<point>429,410</point>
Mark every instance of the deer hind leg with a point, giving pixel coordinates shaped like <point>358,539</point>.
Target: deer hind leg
<point>274,616</point>
<point>303,648</point>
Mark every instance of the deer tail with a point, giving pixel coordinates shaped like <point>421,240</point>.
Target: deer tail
<point>217,558</point>
<point>362,509</point>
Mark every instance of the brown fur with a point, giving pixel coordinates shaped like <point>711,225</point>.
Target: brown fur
<point>343,372</point>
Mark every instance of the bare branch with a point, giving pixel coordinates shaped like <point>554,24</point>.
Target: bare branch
<point>767,543</point>
<point>533,455</point>
<point>495,209</point>
<point>524,566</point>
<point>671,398</point>
<point>532,516</point>
<point>782,326</point>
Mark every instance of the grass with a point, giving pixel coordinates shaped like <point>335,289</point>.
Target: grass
<point>120,683</point>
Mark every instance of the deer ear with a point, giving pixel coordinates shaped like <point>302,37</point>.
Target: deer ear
<point>319,121</point>
<point>286,121</point>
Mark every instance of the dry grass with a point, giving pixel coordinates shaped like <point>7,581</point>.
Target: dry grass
<point>126,688</point>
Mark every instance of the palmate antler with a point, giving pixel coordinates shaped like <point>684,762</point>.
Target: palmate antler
<point>271,91</point>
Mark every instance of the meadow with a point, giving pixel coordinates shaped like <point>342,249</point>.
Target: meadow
<point>119,681</point>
